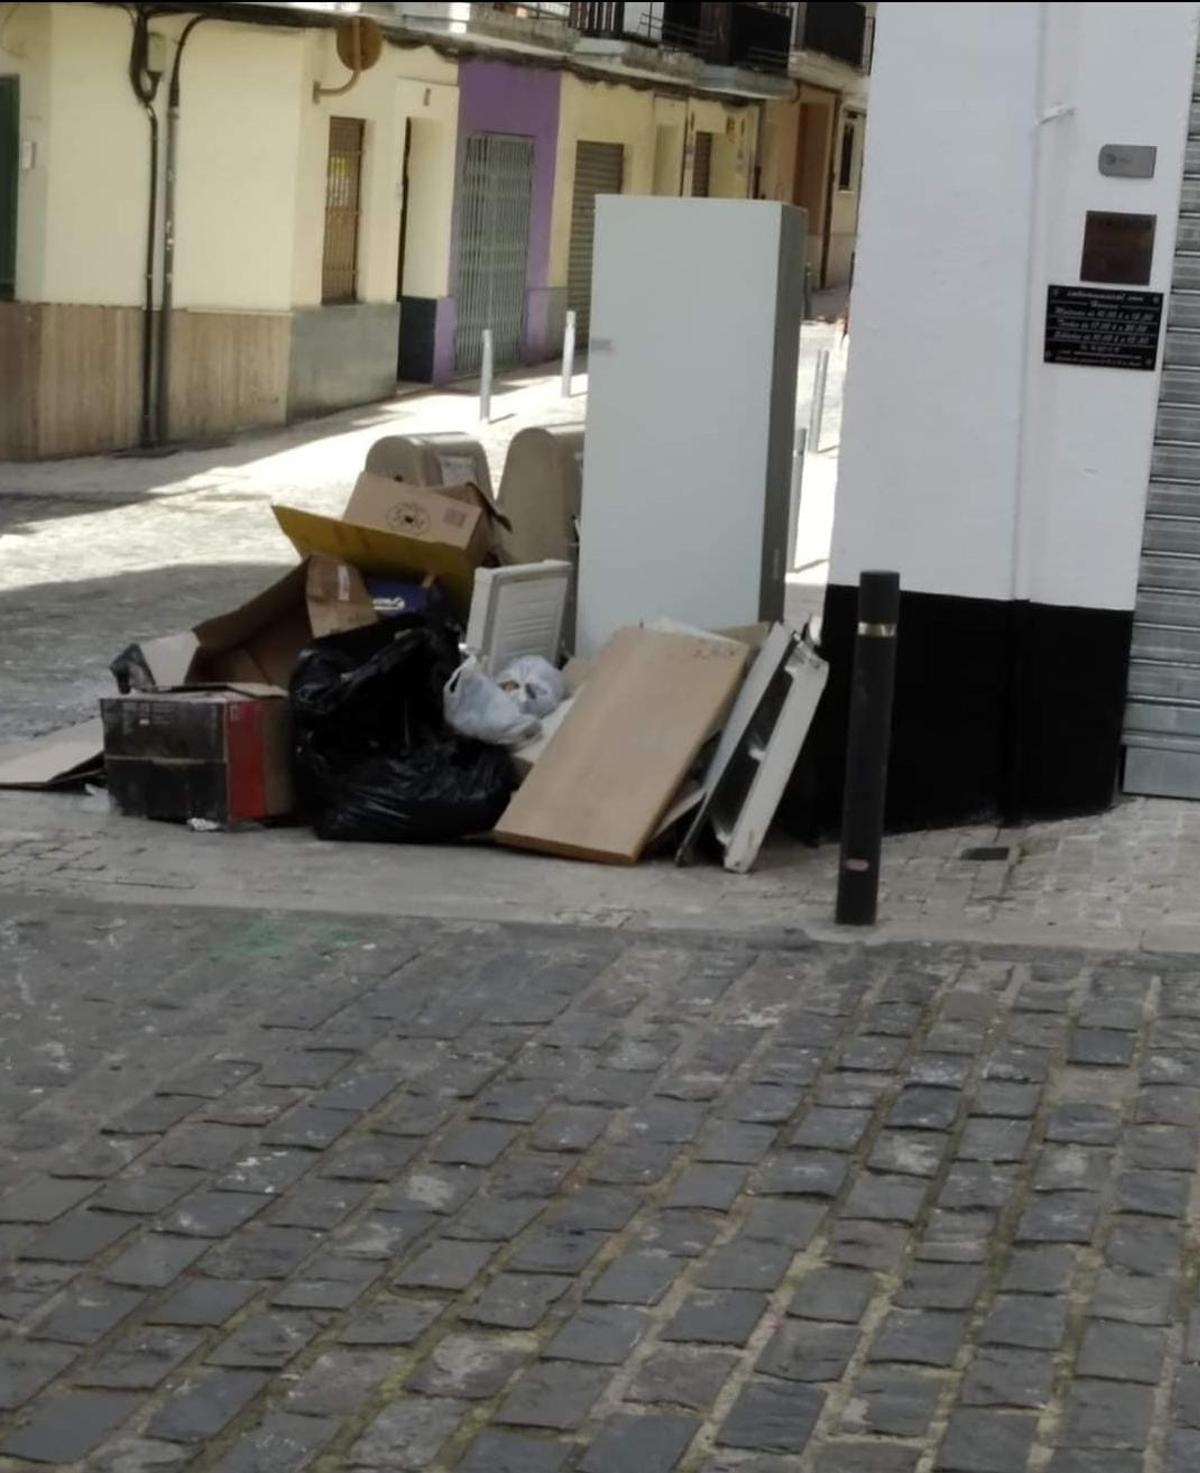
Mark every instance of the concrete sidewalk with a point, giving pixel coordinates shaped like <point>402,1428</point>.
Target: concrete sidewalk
<point>1124,881</point>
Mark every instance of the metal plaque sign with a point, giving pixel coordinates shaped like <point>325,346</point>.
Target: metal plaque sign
<point>1128,160</point>
<point>1118,248</point>
<point>1099,328</point>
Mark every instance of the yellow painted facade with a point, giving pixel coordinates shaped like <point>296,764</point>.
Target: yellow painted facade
<point>801,155</point>
<point>239,137</point>
<point>597,112</point>
<point>656,132</point>
<point>414,84</point>
<point>250,217</point>
<point>252,151</point>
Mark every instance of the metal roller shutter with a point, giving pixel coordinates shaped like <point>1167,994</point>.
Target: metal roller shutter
<point>493,248</point>
<point>1162,712</point>
<point>599,169</point>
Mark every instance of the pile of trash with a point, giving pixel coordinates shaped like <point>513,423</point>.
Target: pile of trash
<point>413,680</point>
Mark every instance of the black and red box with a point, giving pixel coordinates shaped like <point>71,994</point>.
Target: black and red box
<point>218,753</point>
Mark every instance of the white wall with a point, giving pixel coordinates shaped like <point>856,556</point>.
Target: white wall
<point>928,457</point>
<point>1126,71</point>
<point>967,463</point>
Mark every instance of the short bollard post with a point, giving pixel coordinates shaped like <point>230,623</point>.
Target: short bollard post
<point>568,358</point>
<point>485,379</point>
<point>816,414</point>
<point>868,744</point>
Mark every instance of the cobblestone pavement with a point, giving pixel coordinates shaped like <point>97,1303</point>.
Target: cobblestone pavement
<point>297,1192</point>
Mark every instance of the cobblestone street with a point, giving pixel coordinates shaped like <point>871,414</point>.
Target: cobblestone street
<point>295,1191</point>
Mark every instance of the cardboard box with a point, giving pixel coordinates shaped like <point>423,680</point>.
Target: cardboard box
<point>61,759</point>
<point>258,642</point>
<point>217,753</point>
<point>390,528</point>
<point>615,764</point>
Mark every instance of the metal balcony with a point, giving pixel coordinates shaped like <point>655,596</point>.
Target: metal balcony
<point>834,28</point>
<point>753,36</point>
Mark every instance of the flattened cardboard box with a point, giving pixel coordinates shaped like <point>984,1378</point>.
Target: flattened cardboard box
<point>220,753</point>
<point>393,527</point>
<point>60,759</point>
<point>259,641</point>
<point>615,764</point>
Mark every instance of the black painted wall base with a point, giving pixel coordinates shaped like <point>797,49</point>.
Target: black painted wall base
<point>1003,710</point>
<point>418,332</point>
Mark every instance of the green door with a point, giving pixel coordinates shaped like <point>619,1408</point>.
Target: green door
<point>9,164</point>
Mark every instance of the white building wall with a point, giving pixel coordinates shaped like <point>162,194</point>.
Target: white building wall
<point>967,463</point>
<point>1124,74</point>
<point>928,462</point>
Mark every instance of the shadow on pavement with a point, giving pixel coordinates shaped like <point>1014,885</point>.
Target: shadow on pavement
<point>60,637</point>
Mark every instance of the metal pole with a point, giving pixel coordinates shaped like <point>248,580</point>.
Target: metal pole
<point>568,361</point>
<point>867,746</point>
<point>796,492</point>
<point>485,379</point>
<point>816,411</point>
<point>166,306</point>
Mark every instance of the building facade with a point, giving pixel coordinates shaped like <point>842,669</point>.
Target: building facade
<point>1021,438</point>
<point>813,148</point>
<point>213,217</point>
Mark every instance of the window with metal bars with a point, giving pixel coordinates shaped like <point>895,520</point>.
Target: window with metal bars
<point>343,207</point>
<point>846,160</point>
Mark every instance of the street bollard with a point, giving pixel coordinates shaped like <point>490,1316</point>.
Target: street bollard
<point>485,379</point>
<point>816,411</point>
<point>568,358</point>
<point>797,489</point>
<point>868,743</point>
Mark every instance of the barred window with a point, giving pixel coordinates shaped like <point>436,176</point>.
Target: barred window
<point>343,200</point>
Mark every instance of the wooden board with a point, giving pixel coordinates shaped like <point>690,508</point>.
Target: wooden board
<point>617,761</point>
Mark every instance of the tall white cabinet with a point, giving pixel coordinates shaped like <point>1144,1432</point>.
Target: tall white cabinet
<point>695,330</point>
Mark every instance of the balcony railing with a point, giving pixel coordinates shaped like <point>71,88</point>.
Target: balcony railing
<point>613,20</point>
<point>739,35</point>
<point>835,28</point>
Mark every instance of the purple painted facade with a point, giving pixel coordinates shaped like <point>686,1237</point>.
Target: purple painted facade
<point>498,97</point>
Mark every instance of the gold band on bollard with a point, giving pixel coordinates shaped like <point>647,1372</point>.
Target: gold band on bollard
<point>878,631</point>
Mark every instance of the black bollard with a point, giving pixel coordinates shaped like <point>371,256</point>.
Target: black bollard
<point>868,743</point>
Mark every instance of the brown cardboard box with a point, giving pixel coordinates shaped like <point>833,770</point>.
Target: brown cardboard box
<point>259,641</point>
<point>390,528</point>
<point>221,754</point>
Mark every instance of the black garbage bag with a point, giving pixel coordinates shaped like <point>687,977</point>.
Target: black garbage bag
<point>373,757</point>
<point>428,795</point>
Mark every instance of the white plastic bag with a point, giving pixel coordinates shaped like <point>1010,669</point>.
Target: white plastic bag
<point>475,706</point>
<point>536,686</point>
